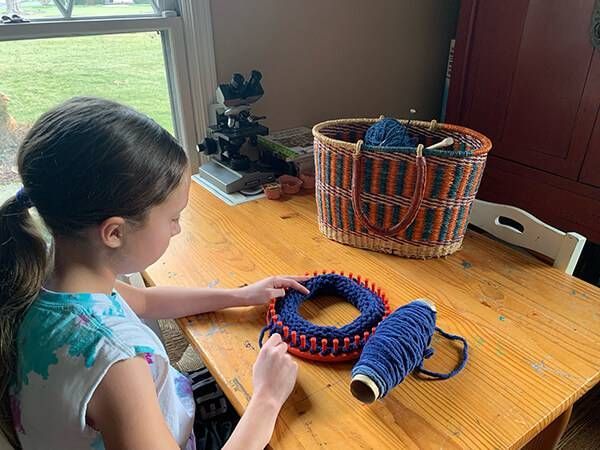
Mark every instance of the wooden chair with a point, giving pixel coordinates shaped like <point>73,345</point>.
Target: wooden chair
<point>518,227</point>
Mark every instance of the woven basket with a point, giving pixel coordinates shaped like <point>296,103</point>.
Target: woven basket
<point>411,202</point>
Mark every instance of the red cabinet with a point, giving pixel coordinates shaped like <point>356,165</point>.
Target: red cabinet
<point>527,75</point>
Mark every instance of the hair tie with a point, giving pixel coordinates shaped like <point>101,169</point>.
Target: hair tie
<point>23,200</point>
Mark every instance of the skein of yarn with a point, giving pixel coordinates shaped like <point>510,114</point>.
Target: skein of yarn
<point>399,346</point>
<point>388,132</point>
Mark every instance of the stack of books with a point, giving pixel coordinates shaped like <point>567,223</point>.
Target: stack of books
<point>294,146</point>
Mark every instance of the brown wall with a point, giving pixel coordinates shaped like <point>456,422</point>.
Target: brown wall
<point>337,58</point>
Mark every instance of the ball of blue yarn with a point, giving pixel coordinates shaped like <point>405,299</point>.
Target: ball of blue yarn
<point>388,132</point>
<point>399,346</point>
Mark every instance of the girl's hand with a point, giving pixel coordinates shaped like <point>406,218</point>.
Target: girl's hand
<point>274,373</point>
<point>264,290</point>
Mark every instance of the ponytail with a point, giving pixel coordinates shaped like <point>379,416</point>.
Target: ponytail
<point>23,265</point>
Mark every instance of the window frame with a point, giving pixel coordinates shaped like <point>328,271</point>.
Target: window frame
<point>188,50</point>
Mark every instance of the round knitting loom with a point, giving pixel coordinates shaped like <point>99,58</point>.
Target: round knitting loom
<point>328,343</point>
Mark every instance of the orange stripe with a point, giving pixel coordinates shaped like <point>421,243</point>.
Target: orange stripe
<point>419,225</point>
<point>391,181</point>
<point>373,213</point>
<point>374,188</point>
<point>324,154</point>
<point>347,172</point>
<point>463,224</point>
<point>332,163</point>
<point>402,234</point>
<point>322,164</point>
<point>389,190</point>
<point>345,221</point>
<point>430,176</point>
<point>478,177</point>
<point>449,174</point>
<point>332,208</point>
<point>452,224</point>
<point>437,224</point>
<point>324,208</point>
<point>387,216</point>
<point>409,179</point>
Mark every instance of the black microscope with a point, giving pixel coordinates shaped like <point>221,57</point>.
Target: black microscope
<point>229,169</point>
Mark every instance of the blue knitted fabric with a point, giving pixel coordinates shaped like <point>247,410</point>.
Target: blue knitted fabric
<point>389,132</point>
<point>400,345</point>
<point>369,304</point>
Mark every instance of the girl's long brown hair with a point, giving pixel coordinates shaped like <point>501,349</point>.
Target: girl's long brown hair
<point>84,161</point>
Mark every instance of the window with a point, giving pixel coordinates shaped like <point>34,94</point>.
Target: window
<point>41,73</point>
<point>126,50</point>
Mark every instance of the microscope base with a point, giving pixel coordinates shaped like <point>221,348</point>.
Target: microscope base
<point>229,180</point>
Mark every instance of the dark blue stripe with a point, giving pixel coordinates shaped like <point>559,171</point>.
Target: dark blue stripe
<point>395,215</point>
<point>445,222</point>
<point>400,178</point>
<point>437,181</point>
<point>345,164</point>
<point>383,176</point>
<point>410,230</point>
<point>461,214</point>
<point>339,165</point>
<point>380,214</point>
<point>429,215</point>
<point>367,210</point>
<point>457,177</point>
<point>351,215</point>
<point>478,178</point>
<point>368,167</point>
<point>471,181</point>
<point>338,211</point>
<point>328,203</point>
<point>318,166</point>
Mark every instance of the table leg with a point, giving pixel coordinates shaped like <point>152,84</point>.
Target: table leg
<point>549,436</point>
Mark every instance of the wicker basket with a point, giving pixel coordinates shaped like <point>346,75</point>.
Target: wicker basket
<point>411,202</point>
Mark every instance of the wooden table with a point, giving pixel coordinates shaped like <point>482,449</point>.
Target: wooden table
<point>534,332</point>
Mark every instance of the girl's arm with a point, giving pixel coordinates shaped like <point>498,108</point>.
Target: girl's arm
<point>124,408</point>
<point>274,376</point>
<point>174,302</point>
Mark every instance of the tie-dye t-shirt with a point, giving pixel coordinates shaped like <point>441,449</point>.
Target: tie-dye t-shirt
<point>66,344</point>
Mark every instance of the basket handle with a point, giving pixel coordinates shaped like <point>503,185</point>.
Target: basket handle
<point>415,202</point>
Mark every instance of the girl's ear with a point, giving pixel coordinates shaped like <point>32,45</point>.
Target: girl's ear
<point>112,232</point>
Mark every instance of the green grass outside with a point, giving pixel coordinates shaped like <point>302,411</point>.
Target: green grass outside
<point>38,74</point>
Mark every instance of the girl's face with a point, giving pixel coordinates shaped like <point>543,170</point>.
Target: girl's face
<point>145,245</point>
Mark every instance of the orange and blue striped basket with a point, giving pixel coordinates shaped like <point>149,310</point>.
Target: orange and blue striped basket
<point>407,201</point>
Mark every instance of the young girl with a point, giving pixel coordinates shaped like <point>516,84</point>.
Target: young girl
<point>78,369</point>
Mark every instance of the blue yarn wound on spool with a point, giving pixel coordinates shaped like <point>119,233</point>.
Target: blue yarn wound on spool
<point>400,345</point>
<point>388,132</point>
